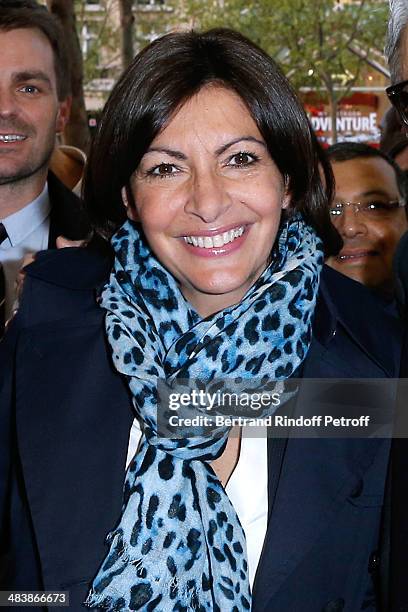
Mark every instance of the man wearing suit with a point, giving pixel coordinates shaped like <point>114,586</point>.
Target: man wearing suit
<point>34,106</point>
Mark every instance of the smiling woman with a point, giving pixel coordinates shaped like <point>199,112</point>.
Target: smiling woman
<point>206,149</point>
<point>206,176</point>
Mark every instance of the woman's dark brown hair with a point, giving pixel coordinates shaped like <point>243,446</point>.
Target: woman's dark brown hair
<point>170,71</point>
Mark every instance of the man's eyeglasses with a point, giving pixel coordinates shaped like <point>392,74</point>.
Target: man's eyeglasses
<point>398,96</point>
<point>374,209</point>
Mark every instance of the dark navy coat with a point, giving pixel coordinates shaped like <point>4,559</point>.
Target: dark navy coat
<point>65,416</point>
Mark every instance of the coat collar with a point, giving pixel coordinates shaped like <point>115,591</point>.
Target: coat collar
<point>66,280</point>
<point>75,268</point>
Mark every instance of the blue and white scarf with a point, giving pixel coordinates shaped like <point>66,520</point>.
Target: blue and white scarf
<point>179,544</point>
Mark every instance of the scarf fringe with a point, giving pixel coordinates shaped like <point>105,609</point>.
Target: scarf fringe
<point>188,596</point>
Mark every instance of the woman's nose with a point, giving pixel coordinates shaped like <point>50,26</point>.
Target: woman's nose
<point>209,198</point>
<point>351,222</point>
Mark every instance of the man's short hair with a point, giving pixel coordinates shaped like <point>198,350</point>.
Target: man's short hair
<point>396,26</point>
<point>28,14</point>
<point>347,151</point>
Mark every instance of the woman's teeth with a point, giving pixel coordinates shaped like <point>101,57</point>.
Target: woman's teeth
<point>209,242</point>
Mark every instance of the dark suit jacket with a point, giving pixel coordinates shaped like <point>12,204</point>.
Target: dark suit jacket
<point>67,217</point>
<point>64,444</point>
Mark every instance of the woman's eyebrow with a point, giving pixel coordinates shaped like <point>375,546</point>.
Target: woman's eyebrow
<point>171,152</point>
<point>229,144</point>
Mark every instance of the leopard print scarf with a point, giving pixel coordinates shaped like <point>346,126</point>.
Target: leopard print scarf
<point>179,544</point>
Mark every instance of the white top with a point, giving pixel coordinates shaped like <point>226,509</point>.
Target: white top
<point>28,231</point>
<point>247,488</point>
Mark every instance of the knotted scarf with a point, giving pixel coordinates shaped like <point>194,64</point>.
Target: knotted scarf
<point>179,544</point>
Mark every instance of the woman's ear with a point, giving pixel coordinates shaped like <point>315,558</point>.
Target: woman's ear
<point>129,203</point>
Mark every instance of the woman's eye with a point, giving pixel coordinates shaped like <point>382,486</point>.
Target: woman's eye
<point>163,170</point>
<point>242,159</point>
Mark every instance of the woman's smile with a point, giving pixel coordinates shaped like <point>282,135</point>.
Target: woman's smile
<point>219,242</point>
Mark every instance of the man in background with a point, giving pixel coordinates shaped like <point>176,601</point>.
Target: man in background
<point>35,207</point>
<point>369,212</point>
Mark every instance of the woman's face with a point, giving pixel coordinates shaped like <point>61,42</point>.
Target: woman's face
<point>209,199</point>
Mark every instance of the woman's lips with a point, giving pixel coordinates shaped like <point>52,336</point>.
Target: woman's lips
<point>216,243</point>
